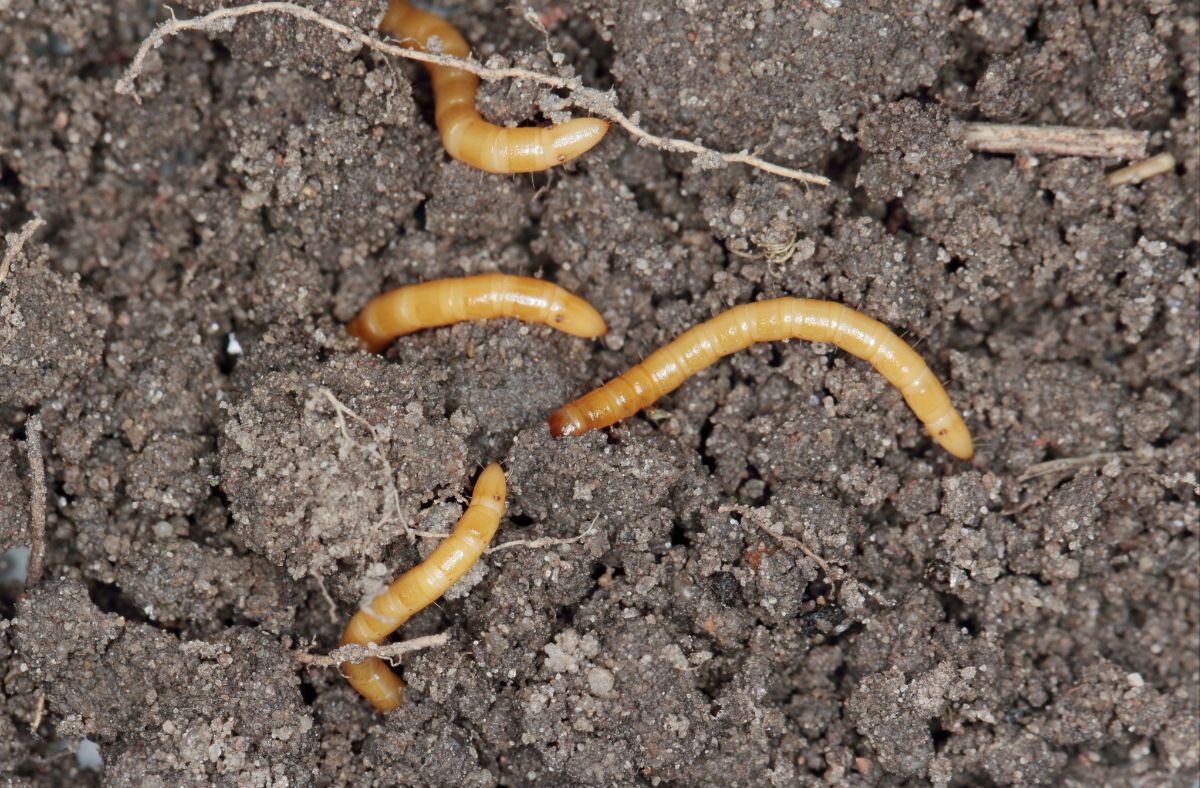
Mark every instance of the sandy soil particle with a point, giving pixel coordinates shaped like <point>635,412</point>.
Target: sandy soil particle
<point>227,707</point>
<point>910,141</point>
<point>773,577</point>
<point>14,498</point>
<point>682,65</point>
<point>292,442</point>
<point>51,331</point>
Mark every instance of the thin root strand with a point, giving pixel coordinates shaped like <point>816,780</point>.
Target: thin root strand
<point>590,99</point>
<point>15,243</point>
<point>37,501</point>
<point>355,653</point>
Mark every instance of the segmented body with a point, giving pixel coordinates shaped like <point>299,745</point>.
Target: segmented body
<point>765,321</point>
<point>465,134</point>
<point>442,302</point>
<point>421,585</point>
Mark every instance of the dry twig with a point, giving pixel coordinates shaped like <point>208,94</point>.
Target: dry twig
<point>1056,140</point>
<point>834,575</point>
<point>790,541</point>
<point>1141,170</point>
<point>15,243</point>
<point>594,101</point>
<point>355,653</point>
<point>1071,464</point>
<point>38,712</point>
<point>37,500</point>
<point>795,543</point>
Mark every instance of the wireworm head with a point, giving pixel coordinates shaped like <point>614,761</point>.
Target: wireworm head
<point>575,137</point>
<point>952,434</point>
<point>490,490</point>
<point>364,328</point>
<point>570,314</point>
<point>567,421</point>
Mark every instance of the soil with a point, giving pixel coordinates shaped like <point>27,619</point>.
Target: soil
<point>772,578</point>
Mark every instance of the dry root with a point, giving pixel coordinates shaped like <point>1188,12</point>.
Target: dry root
<point>354,653</point>
<point>594,101</point>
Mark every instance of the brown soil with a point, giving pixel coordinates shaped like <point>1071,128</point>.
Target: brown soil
<point>209,509</point>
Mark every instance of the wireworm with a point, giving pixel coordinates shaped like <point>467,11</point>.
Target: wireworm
<point>765,321</point>
<point>465,134</point>
<point>442,302</point>
<point>421,585</point>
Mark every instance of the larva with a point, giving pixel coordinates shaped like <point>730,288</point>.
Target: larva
<point>465,134</point>
<point>765,321</point>
<point>481,297</point>
<point>421,585</point>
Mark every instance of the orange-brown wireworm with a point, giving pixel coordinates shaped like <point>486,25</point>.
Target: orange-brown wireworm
<point>465,134</point>
<point>421,585</point>
<point>780,318</point>
<point>442,302</point>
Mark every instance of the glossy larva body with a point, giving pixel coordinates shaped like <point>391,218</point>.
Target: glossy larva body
<point>418,587</point>
<point>465,134</point>
<point>442,302</point>
<point>766,321</point>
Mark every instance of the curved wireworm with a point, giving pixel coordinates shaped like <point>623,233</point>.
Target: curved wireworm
<point>465,134</point>
<point>415,589</point>
<point>779,318</point>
